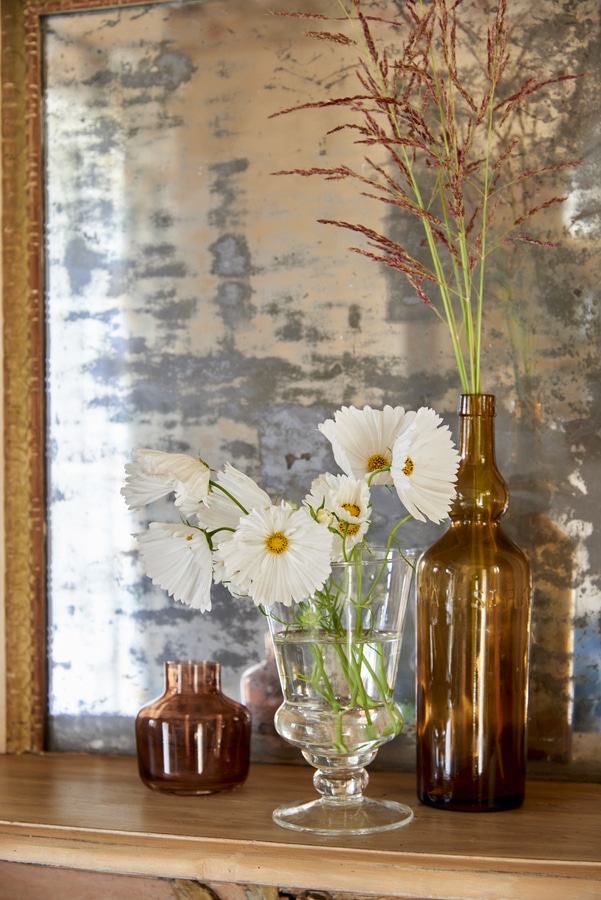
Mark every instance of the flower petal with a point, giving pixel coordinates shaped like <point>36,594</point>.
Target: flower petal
<point>343,503</point>
<point>178,559</point>
<point>153,474</point>
<point>362,439</point>
<point>424,467</point>
<point>290,574</point>
<point>220,514</point>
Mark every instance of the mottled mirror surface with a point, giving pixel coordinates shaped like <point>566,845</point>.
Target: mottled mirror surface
<point>194,304</point>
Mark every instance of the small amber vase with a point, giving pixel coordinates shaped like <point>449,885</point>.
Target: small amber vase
<point>193,739</point>
<point>473,638</point>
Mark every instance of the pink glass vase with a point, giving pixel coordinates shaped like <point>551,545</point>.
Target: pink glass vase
<point>193,739</point>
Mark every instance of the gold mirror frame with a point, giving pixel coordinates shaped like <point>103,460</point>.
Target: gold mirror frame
<point>24,371</point>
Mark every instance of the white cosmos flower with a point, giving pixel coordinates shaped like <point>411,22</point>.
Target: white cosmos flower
<point>277,555</point>
<point>153,474</point>
<point>343,503</point>
<point>179,560</point>
<point>424,466</point>
<point>220,514</point>
<point>362,439</point>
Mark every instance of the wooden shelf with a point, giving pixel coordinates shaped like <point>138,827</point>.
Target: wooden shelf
<point>93,813</point>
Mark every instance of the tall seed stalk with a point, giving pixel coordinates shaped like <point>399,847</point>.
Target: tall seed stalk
<point>449,154</point>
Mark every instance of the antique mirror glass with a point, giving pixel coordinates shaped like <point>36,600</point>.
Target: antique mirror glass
<point>194,304</point>
<point>187,310</point>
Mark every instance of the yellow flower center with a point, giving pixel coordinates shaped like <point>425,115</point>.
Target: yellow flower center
<point>377,461</point>
<point>408,467</point>
<point>345,528</point>
<point>277,543</point>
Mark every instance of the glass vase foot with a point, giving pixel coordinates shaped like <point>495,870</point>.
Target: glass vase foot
<point>358,816</point>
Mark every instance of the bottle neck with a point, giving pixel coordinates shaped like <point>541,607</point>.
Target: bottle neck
<point>482,494</point>
<point>192,676</point>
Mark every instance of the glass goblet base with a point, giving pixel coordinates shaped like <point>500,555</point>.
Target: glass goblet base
<point>356,815</point>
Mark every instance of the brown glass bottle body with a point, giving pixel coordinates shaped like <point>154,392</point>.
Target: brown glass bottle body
<point>473,637</point>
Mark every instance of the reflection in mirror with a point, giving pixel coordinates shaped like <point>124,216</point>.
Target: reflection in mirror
<point>193,304</point>
<point>166,325</point>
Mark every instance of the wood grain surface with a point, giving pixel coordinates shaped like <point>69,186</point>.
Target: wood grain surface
<point>92,812</point>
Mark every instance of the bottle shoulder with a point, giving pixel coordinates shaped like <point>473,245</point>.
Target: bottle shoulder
<point>475,542</point>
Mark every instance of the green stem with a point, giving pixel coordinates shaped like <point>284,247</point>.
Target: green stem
<point>219,487</point>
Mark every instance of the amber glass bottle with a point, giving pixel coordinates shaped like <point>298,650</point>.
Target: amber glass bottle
<point>193,739</point>
<point>473,637</point>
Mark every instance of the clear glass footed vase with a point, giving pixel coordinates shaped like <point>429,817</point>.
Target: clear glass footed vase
<point>337,655</point>
<point>473,638</point>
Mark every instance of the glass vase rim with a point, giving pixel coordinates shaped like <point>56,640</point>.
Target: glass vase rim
<point>378,555</point>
